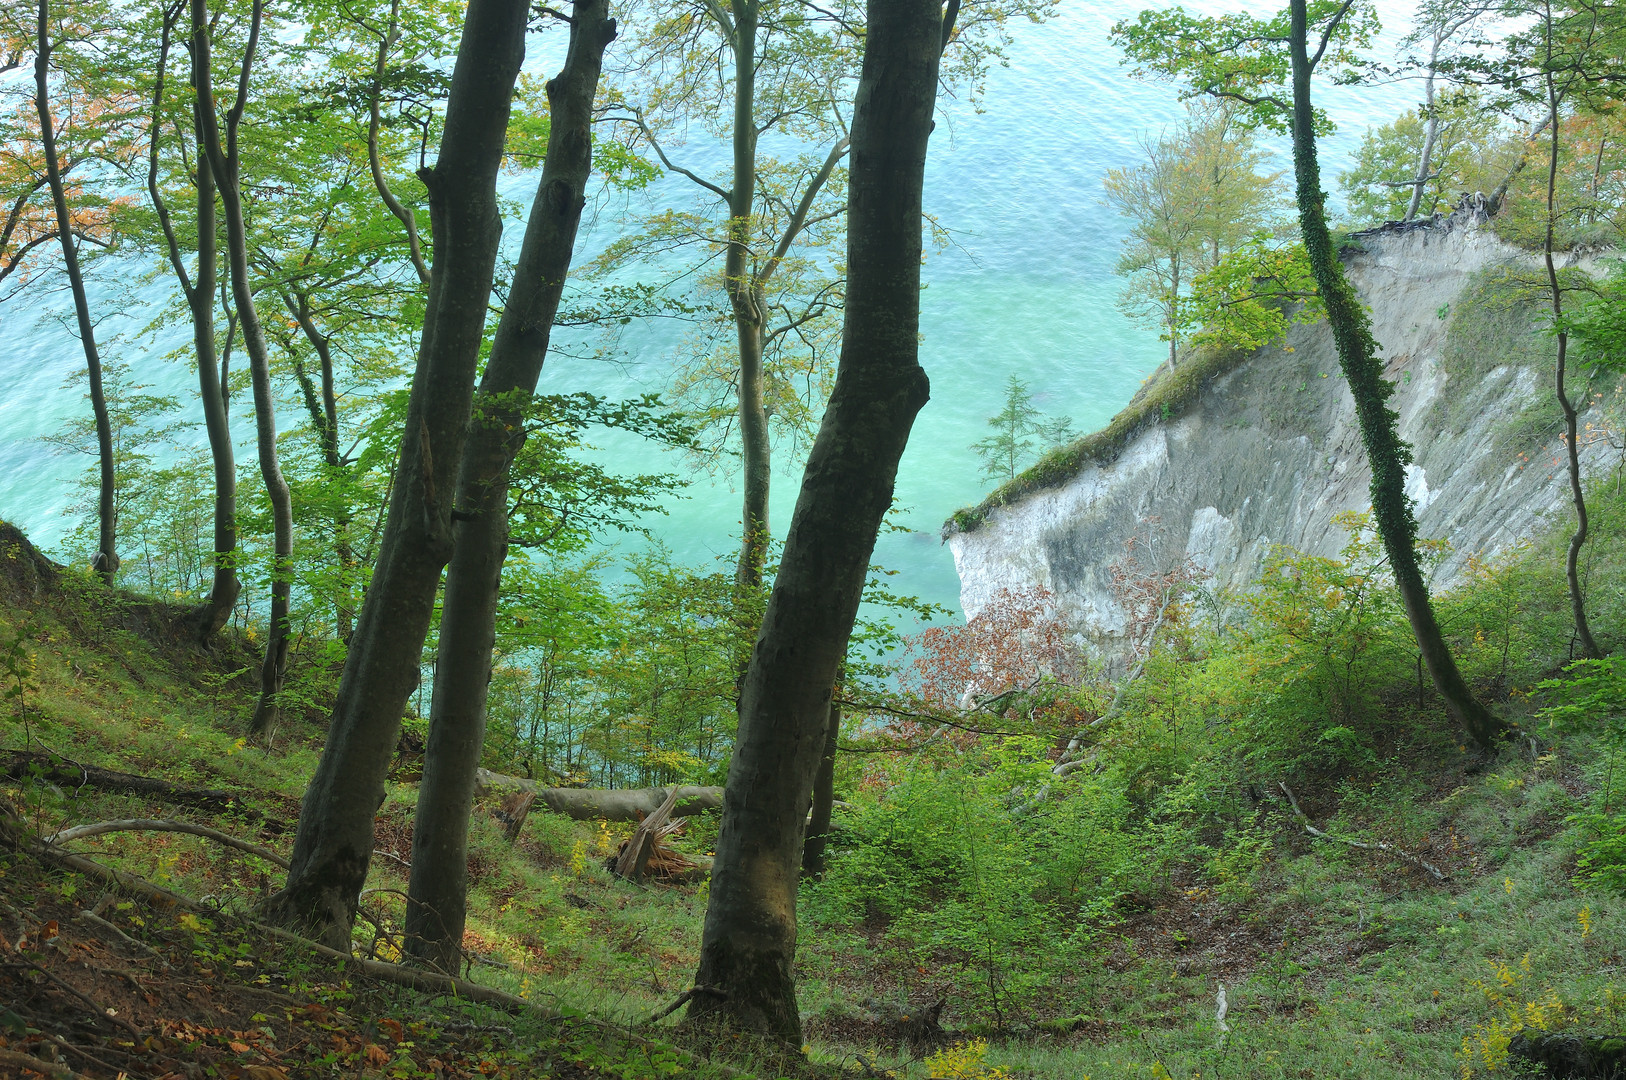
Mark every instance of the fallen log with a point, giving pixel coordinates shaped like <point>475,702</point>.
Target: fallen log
<point>612,804</point>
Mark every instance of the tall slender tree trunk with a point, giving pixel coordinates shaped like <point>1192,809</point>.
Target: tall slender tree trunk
<point>209,617</point>
<point>749,941</point>
<point>106,561</point>
<point>1431,132</point>
<point>334,841</point>
<point>225,587</point>
<point>745,299</point>
<point>225,165</point>
<point>323,406</point>
<point>438,892</point>
<point>1387,454</point>
<point>1572,446</point>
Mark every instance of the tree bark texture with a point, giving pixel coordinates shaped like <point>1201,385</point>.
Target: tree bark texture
<point>225,165</point>
<point>106,560</point>
<point>437,893</point>
<point>1387,454</point>
<point>749,941</point>
<point>225,586</point>
<point>335,837</point>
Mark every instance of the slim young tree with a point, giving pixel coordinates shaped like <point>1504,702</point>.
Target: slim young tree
<point>758,67</point>
<point>225,166</point>
<point>199,291</point>
<point>1248,59</point>
<point>745,976</point>
<point>437,895</point>
<point>1567,51</point>
<point>334,842</point>
<point>1019,429</point>
<point>106,561</point>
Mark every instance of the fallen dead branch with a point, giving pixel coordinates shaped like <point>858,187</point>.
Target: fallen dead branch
<point>99,828</point>
<point>23,764</point>
<point>11,1059</point>
<point>1375,845</point>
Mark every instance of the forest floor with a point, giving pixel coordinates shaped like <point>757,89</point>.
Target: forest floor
<point>1337,962</point>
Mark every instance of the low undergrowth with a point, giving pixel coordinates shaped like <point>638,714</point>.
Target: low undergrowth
<point>981,916</point>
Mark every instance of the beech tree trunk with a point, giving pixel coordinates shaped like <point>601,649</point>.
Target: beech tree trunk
<point>438,891</point>
<point>749,941</point>
<point>335,837</point>
<point>1387,454</point>
<point>209,617</point>
<point>224,163</point>
<point>106,560</point>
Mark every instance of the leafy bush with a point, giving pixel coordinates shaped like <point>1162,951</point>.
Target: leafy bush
<point>939,853</point>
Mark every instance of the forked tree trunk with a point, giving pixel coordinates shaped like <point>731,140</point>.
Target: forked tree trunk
<point>106,560</point>
<point>749,941</point>
<point>210,616</point>
<point>438,892</point>
<point>335,837</point>
<point>1387,454</point>
<point>225,164</point>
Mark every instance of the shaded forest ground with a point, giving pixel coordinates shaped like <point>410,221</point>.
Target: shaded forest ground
<point>1337,962</point>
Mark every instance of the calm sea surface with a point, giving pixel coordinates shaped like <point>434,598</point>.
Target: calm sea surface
<point>1027,288</point>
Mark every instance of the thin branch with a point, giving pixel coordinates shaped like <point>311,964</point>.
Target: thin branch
<point>161,207</point>
<point>1376,845</point>
<point>374,122</point>
<point>798,220</point>
<point>79,832</point>
<point>1326,37</point>
<point>638,118</point>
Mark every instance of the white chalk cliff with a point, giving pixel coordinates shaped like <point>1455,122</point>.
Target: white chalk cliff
<point>1271,450</point>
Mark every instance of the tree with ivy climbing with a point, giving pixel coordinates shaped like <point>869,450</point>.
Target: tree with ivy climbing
<point>1265,65</point>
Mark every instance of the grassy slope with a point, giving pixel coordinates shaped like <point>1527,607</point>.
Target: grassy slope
<point>1336,962</point>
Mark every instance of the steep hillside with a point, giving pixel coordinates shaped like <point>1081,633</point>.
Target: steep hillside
<point>1267,453</point>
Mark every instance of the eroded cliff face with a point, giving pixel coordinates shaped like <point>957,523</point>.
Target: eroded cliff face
<point>1271,452</point>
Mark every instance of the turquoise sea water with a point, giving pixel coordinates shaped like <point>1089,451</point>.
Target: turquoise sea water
<point>1027,288</point>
